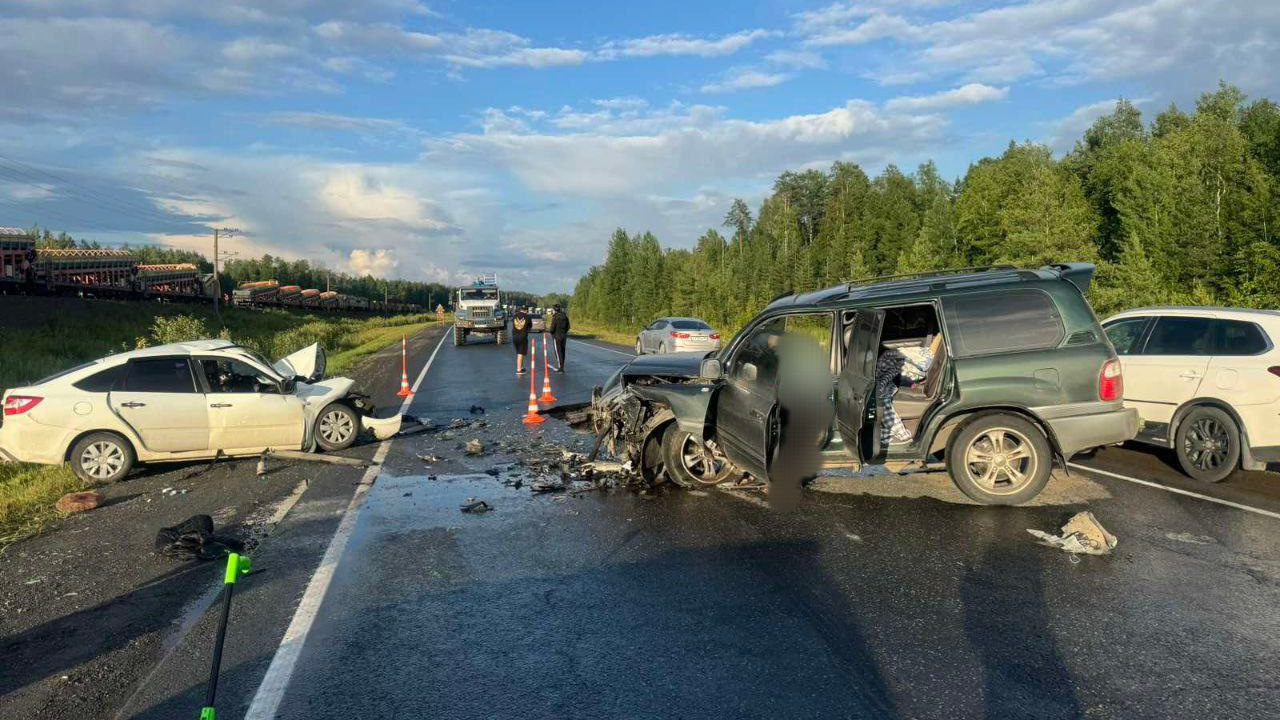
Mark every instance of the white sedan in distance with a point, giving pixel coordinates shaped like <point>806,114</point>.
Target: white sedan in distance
<point>185,401</point>
<point>677,334</point>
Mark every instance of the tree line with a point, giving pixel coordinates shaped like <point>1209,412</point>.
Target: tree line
<point>1181,210</point>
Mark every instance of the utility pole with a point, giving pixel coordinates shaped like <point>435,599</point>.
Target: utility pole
<point>217,285</point>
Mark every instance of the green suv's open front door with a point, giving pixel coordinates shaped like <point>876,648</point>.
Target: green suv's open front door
<point>856,385</point>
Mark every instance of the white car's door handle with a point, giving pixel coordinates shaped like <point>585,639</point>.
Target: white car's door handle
<point>1190,374</point>
<point>133,404</point>
<point>220,405</point>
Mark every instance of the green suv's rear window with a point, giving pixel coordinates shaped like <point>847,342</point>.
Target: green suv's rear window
<point>1005,321</point>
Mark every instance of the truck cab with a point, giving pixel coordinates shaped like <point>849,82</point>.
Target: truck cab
<point>478,309</point>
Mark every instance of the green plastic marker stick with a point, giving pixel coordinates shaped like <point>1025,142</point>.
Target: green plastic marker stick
<point>236,566</point>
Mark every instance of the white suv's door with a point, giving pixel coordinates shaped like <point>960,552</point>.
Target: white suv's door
<point>1170,366</point>
<point>158,398</point>
<point>246,410</point>
<point>1240,374</point>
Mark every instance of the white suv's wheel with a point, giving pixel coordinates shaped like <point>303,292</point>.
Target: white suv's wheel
<point>337,427</point>
<point>1208,444</point>
<point>102,457</point>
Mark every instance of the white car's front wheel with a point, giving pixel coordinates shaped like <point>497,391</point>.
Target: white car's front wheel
<point>102,457</point>
<point>337,427</point>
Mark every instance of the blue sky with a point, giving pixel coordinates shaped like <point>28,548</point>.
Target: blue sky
<point>434,140</point>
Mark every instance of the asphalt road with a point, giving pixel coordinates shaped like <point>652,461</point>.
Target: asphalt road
<point>881,596</point>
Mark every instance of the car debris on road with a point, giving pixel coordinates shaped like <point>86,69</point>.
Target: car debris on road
<point>1082,535</point>
<point>474,506</point>
<point>193,539</point>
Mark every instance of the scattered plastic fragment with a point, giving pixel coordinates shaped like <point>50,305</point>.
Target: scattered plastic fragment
<point>1082,534</point>
<point>476,506</point>
<point>429,458</point>
<point>474,447</point>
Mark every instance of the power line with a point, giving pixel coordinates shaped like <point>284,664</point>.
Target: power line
<point>127,212</point>
<point>116,203</point>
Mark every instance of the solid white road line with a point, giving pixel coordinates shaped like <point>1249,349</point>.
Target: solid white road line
<point>601,347</point>
<point>266,701</point>
<point>1179,491</point>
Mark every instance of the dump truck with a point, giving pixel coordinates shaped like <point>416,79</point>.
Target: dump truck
<point>478,309</point>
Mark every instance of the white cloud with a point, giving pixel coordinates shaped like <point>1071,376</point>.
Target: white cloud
<point>746,79</point>
<point>621,103</point>
<point>678,44</point>
<point>101,63</point>
<point>801,59</point>
<point>877,26</point>
<point>971,94</point>
<point>1174,42</point>
<point>361,194</point>
<point>379,262</point>
<point>703,149</point>
<point>365,126</point>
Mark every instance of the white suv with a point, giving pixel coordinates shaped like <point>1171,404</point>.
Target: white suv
<point>1206,382</point>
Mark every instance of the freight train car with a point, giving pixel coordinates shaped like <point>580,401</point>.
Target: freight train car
<point>175,281</point>
<point>17,252</point>
<point>262,292</point>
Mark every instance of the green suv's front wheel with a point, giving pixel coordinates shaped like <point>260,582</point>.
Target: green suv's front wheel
<point>999,459</point>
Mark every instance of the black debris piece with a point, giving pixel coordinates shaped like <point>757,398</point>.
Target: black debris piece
<point>477,410</point>
<point>476,506</point>
<point>193,539</point>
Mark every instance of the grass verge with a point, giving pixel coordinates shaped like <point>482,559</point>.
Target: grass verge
<point>604,333</point>
<point>27,495</point>
<point>40,336</point>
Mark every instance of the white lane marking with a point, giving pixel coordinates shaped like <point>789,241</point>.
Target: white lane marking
<point>601,347</point>
<point>266,701</point>
<point>1179,491</point>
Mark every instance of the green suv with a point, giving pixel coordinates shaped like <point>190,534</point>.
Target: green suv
<point>999,371</point>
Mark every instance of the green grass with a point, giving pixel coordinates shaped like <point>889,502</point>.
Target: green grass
<point>27,495</point>
<point>600,331</point>
<point>41,336</point>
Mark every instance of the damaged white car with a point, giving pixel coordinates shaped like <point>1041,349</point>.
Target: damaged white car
<point>185,401</point>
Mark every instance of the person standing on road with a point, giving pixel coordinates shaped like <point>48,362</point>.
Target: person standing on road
<point>520,337</point>
<point>560,333</point>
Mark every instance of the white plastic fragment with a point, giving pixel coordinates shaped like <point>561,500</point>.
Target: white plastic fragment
<point>1082,534</point>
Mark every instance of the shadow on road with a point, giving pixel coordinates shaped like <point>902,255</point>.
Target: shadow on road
<point>1006,621</point>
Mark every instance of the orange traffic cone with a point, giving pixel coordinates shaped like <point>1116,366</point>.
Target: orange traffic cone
<point>404,368</point>
<point>531,417</point>
<point>547,397</point>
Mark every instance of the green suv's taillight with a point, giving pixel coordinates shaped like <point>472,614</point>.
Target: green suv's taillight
<point>1111,381</point>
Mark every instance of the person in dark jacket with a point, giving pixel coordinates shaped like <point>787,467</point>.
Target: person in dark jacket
<point>559,329</point>
<point>520,325</point>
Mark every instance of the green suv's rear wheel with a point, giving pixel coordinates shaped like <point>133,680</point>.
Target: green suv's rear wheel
<point>999,459</point>
<point>1208,444</point>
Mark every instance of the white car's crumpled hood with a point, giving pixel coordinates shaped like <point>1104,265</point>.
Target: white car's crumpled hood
<point>324,390</point>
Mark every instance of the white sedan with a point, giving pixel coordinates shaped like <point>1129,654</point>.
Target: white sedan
<point>186,401</point>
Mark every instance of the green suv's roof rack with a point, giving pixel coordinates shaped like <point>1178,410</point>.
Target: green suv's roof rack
<point>927,274</point>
